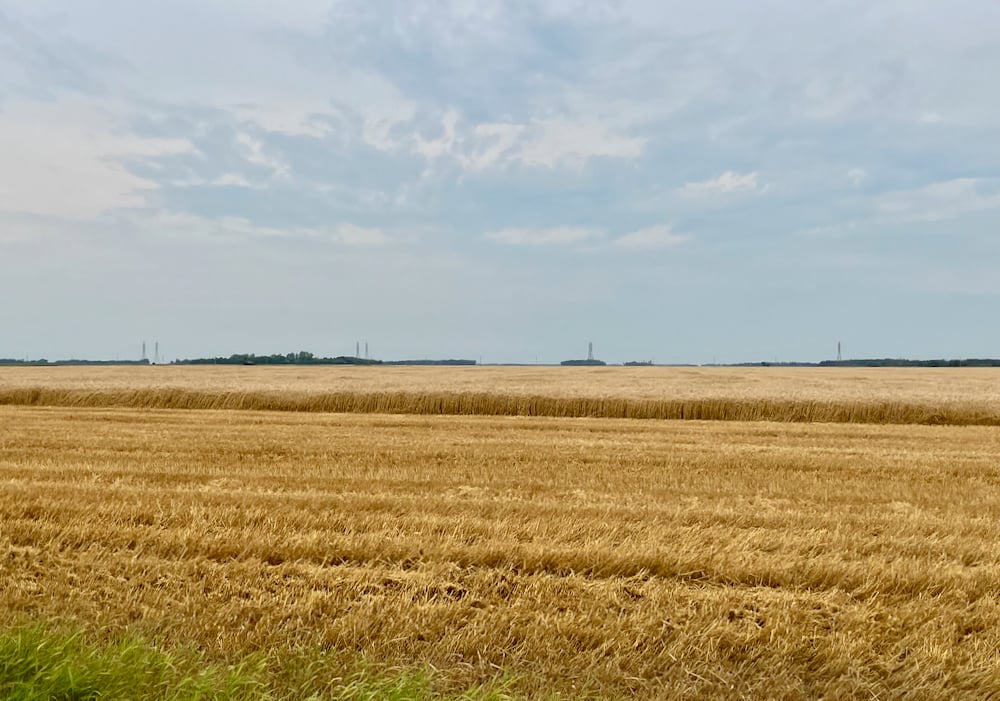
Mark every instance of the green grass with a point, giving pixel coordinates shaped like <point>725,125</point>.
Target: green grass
<point>37,663</point>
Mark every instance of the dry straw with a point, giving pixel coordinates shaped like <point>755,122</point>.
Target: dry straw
<point>635,559</point>
<point>840,410</point>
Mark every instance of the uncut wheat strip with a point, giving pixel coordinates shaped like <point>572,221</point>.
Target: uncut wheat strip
<point>450,403</point>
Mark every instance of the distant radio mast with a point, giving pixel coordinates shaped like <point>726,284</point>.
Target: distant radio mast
<point>839,356</point>
<point>590,351</point>
<point>143,351</point>
<point>366,350</point>
<point>156,353</point>
<point>357,349</point>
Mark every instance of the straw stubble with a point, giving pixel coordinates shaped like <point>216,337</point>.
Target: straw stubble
<point>630,558</point>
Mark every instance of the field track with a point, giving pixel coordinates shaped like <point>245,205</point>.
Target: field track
<point>644,559</point>
<point>929,396</point>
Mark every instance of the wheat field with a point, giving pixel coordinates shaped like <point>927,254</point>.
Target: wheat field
<point>575,557</point>
<point>955,396</point>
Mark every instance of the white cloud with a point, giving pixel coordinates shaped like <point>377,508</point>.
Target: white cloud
<point>298,118</point>
<point>543,143</point>
<point>65,158</point>
<point>564,141</point>
<point>651,238</point>
<point>260,61</point>
<point>831,230</point>
<point>726,185</point>
<point>233,180</point>
<point>556,236</point>
<point>191,229</point>
<point>227,180</point>
<point>255,152</point>
<point>354,235</point>
<point>301,15</point>
<point>371,99</point>
<point>936,202</point>
<point>344,233</point>
<point>492,141</point>
<point>939,201</point>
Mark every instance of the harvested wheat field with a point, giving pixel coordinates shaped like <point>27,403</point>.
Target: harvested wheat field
<point>546,556</point>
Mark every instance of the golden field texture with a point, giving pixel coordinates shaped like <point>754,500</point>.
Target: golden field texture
<point>956,396</point>
<point>616,558</point>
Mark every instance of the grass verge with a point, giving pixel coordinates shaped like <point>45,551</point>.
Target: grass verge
<point>38,663</point>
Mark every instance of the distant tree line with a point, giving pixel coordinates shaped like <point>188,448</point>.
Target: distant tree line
<point>299,358</point>
<point>904,363</point>
<point>878,363</point>
<point>307,358</point>
<point>72,361</point>
<point>448,361</point>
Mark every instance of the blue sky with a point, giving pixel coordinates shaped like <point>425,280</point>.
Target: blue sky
<point>503,180</point>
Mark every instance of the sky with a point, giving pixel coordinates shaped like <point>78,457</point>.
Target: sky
<point>500,180</point>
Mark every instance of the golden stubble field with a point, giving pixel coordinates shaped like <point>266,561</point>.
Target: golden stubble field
<point>628,558</point>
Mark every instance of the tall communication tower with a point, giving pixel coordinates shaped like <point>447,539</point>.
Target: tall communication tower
<point>839,356</point>
<point>357,349</point>
<point>590,350</point>
<point>156,353</point>
<point>366,350</point>
<point>143,351</point>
